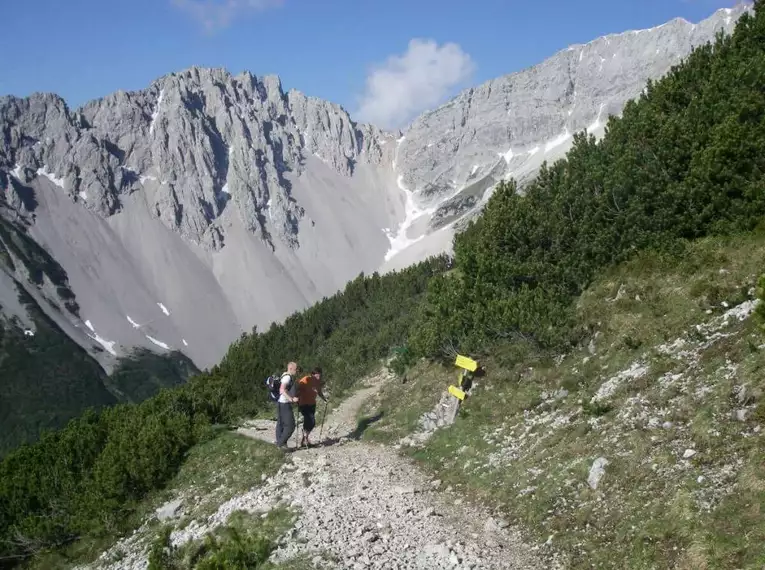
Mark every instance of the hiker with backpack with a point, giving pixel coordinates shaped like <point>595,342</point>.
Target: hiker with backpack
<point>285,419</point>
<point>308,388</point>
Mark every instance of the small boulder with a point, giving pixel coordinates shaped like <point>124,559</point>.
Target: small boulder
<point>492,526</point>
<point>597,471</point>
<point>169,510</point>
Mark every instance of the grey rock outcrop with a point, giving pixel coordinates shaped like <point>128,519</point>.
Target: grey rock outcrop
<point>576,89</point>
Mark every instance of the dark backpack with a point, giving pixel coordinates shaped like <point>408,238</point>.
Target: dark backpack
<point>273,383</point>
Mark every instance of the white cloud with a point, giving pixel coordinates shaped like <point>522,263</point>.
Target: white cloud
<point>218,14</point>
<point>405,85</point>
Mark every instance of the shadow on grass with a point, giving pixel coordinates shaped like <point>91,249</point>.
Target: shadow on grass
<point>363,424</point>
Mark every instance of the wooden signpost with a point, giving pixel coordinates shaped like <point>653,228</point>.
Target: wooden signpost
<point>466,363</point>
<point>464,379</point>
<point>457,393</point>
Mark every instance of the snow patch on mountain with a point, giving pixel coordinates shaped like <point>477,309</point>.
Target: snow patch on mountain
<point>157,108</point>
<point>58,181</point>
<point>107,344</point>
<point>159,343</point>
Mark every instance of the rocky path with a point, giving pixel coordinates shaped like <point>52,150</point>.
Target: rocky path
<point>364,506</point>
<point>360,506</point>
<point>340,424</point>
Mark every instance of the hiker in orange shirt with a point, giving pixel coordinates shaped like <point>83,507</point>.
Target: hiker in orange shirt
<point>308,387</point>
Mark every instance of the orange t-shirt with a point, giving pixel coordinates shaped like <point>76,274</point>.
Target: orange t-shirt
<point>308,387</point>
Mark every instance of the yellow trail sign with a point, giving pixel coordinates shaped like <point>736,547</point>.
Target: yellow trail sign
<point>456,392</point>
<point>466,363</point>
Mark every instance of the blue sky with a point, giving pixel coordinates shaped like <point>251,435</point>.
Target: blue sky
<point>347,51</point>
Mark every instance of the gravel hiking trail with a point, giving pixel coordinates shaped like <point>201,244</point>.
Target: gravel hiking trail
<point>364,506</point>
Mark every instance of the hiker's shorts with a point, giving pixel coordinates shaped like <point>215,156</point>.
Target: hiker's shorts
<point>309,416</point>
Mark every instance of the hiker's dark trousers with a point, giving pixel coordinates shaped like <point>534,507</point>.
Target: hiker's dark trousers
<point>285,423</point>
<point>309,417</point>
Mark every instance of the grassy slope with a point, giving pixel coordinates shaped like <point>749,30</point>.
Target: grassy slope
<point>214,472</point>
<point>528,436</point>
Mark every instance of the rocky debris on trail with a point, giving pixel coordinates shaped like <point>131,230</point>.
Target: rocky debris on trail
<point>343,421</point>
<point>364,506</point>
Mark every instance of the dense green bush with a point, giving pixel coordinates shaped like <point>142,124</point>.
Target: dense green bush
<point>85,477</point>
<point>684,161</point>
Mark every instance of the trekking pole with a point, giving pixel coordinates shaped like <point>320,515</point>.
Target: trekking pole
<point>297,426</point>
<point>323,417</point>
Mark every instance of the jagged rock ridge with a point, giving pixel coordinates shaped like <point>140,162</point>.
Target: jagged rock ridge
<point>196,142</point>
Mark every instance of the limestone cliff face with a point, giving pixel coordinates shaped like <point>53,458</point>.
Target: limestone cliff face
<point>195,142</point>
<point>508,126</point>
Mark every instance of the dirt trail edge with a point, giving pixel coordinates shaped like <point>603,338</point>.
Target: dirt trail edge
<point>364,506</point>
